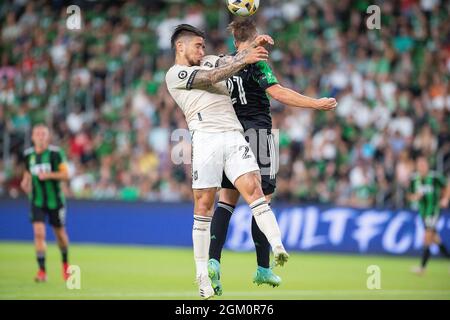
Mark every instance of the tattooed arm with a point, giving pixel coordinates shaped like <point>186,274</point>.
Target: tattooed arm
<point>204,78</point>
<point>224,60</point>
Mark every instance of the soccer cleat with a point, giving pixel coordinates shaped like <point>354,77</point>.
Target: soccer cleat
<point>214,275</point>
<point>418,270</point>
<point>266,276</point>
<point>204,287</point>
<point>280,256</point>
<point>66,273</point>
<point>41,276</point>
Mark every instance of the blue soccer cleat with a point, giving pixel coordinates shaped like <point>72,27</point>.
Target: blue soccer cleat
<point>266,276</point>
<point>214,275</point>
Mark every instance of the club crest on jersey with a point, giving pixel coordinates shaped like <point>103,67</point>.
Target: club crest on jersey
<point>182,74</point>
<point>208,64</point>
<point>32,160</point>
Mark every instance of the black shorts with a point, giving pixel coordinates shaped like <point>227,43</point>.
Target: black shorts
<point>264,147</point>
<point>56,217</point>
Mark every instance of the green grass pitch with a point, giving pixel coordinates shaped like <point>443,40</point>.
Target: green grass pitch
<point>127,272</point>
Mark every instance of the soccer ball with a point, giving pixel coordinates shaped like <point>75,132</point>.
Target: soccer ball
<point>243,8</point>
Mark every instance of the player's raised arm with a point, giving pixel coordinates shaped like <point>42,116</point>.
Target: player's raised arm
<point>266,79</point>
<point>295,99</point>
<point>204,78</point>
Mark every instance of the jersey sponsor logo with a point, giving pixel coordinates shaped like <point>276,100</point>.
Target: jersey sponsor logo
<point>425,188</point>
<point>40,168</point>
<point>182,74</point>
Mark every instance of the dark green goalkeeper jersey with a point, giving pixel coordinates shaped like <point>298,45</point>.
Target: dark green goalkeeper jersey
<point>430,187</point>
<point>45,194</point>
<point>248,94</point>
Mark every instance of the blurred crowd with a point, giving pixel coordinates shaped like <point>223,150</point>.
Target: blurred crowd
<point>102,91</point>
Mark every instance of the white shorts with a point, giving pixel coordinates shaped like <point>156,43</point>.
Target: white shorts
<point>216,152</point>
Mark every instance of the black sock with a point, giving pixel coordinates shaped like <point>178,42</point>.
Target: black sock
<point>262,245</point>
<point>425,256</point>
<point>219,229</point>
<point>40,256</point>
<point>64,254</point>
<point>444,250</point>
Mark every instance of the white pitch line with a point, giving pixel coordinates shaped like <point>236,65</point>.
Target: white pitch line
<point>186,294</point>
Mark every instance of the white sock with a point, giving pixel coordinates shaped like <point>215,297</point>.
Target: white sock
<point>266,221</point>
<point>201,238</point>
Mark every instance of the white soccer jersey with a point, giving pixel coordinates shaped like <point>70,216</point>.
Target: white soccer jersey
<point>209,109</point>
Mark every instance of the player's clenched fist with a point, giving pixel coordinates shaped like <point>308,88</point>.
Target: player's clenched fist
<point>326,104</point>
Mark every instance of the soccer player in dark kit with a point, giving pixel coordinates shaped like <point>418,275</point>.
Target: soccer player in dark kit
<point>430,192</point>
<point>46,167</point>
<point>249,91</point>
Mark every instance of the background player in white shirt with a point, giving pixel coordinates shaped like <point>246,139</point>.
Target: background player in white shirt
<point>217,140</point>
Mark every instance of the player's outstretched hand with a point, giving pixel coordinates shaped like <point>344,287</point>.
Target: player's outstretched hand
<point>326,104</point>
<point>262,40</point>
<point>256,54</point>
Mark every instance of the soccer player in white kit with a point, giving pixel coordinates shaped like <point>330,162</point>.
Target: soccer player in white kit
<point>197,85</point>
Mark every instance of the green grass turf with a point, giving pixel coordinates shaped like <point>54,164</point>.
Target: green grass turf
<point>126,272</point>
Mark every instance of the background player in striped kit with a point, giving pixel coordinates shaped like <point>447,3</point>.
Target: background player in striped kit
<point>429,192</point>
<point>46,167</point>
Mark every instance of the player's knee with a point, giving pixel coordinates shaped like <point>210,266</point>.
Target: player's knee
<point>429,237</point>
<point>204,204</point>
<point>39,235</point>
<point>60,234</point>
<point>203,209</point>
<point>254,186</point>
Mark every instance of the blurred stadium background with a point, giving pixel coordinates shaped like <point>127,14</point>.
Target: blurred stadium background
<point>343,175</point>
